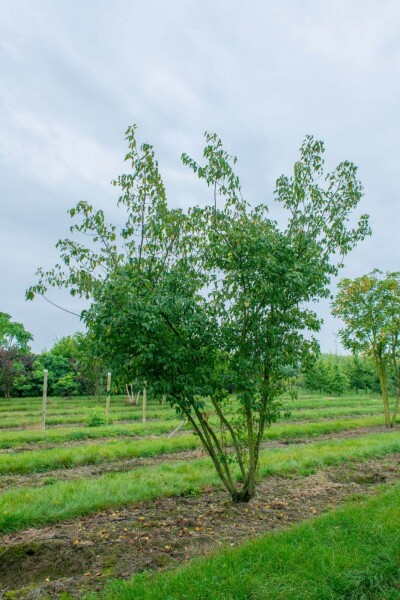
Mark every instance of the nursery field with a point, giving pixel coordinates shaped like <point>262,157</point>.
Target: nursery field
<point>85,502</point>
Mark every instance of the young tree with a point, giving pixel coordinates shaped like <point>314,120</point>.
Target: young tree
<point>199,302</point>
<point>316,376</point>
<point>338,381</point>
<point>361,374</point>
<point>370,309</point>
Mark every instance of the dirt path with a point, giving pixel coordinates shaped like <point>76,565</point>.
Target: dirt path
<point>64,474</point>
<point>81,554</point>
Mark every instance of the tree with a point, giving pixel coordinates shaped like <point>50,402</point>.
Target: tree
<point>361,374</point>
<point>316,376</point>
<point>214,298</point>
<point>370,309</point>
<point>338,381</point>
<point>86,369</point>
<point>14,346</point>
<point>13,334</point>
<point>66,386</point>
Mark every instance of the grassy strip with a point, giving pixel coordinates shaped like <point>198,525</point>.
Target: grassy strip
<point>65,408</point>
<point>92,454</point>
<point>334,403</point>
<point>23,421</point>
<point>83,409</point>
<point>328,413</point>
<point>55,410</point>
<point>350,553</point>
<point>59,458</point>
<point>25,507</point>
<point>13,439</point>
<point>73,401</point>
<point>37,460</point>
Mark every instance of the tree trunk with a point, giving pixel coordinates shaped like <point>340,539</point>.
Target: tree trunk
<point>397,378</point>
<point>384,391</point>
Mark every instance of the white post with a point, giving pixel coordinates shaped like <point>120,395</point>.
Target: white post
<point>108,396</point>
<point>44,401</point>
<point>144,401</point>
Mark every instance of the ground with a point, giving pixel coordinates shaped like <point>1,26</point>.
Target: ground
<point>74,555</point>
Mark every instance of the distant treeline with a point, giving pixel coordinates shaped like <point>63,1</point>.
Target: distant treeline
<point>72,370</point>
<point>336,375</point>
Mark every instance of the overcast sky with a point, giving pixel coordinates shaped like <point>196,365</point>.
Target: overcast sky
<point>262,74</point>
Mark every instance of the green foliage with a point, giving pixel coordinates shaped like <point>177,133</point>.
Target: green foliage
<point>370,308</point>
<point>336,375</point>
<point>15,359</point>
<point>95,418</point>
<point>199,302</point>
<point>13,335</point>
<point>66,386</point>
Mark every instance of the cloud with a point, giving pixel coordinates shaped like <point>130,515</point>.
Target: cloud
<point>260,74</point>
<point>51,152</point>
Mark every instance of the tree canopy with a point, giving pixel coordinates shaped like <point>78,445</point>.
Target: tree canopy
<point>13,334</point>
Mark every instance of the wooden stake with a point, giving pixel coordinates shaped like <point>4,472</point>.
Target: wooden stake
<point>144,401</point>
<point>44,401</point>
<point>108,396</point>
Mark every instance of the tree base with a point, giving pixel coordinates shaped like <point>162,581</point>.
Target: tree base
<point>242,496</point>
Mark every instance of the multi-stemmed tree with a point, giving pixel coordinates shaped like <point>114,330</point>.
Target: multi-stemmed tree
<point>201,302</point>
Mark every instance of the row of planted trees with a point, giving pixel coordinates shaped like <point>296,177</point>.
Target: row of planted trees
<point>337,374</point>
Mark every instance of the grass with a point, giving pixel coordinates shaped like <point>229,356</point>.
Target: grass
<point>23,421</point>
<point>32,506</point>
<point>92,454</point>
<point>352,553</point>
<point>25,462</point>
<point>13,439</point>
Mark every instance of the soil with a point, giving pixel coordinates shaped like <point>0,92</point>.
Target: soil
<point>81,554</point>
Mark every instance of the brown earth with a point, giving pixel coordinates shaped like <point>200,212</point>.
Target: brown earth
<point>81,554</point>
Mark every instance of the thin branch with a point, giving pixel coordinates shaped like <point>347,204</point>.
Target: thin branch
<point>60,307</point>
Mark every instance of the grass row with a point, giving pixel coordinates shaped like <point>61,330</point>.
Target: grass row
<point>351,553</point>
<point>79,403</point>
<point>29,506</point>
<point>22,421</point>
<point>59,435</point>
<point>301,414</point>
<point>37,460</point>
<point>92,454</point>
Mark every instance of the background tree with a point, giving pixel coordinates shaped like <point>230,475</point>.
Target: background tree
<point>370,309</point>
<point>338,381</point>
<point>14,349</point>
<point>197,302</point>
<point>362,375</point>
